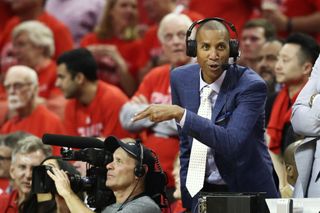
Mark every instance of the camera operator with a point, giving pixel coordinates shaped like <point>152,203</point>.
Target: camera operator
<point>134,176</point>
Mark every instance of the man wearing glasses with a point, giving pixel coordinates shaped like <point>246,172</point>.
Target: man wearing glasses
<point>21,84</point>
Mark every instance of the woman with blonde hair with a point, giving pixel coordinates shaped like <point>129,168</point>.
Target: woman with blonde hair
<point>116,45</point>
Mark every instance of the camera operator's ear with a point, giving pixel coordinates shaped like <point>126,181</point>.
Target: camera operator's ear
<point>141,171</point>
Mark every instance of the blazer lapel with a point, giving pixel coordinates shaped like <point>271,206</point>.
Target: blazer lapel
<point>191,92</point>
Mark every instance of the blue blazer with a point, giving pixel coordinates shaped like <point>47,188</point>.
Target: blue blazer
<point>235,131</point>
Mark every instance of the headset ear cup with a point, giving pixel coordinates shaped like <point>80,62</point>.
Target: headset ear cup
<point>191,48</point>
<point>234,48</point>
<point>139,171</point>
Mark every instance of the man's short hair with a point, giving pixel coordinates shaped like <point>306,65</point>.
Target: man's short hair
<point>38,33</point>
<point>269,29</point>
<point>10,140</point>
<point>80,61</point>
<point>172,18</point>
<point>309,46</point>
<point>30,144</point>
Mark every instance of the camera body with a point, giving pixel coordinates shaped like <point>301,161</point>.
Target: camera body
<point>98,195</point>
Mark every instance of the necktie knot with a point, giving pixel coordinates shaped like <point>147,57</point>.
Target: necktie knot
<point>206,92</point>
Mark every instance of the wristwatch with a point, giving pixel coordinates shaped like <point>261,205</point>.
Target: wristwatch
<point>311,99</point>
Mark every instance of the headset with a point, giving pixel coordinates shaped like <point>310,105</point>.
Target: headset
<point>191,44</point>
<point>139,170</point>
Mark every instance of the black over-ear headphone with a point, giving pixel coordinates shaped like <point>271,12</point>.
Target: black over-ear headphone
<point>139,170</point>
<point>192,43</point>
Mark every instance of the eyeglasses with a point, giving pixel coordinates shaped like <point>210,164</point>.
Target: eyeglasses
<point>16,86</point>
<point>4,158</point>
<point>169,36</point>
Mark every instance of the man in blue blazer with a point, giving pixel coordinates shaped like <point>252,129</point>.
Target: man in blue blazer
<point>235,132</point>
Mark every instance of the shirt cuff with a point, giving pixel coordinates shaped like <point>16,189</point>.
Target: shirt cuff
<point>183,119</point>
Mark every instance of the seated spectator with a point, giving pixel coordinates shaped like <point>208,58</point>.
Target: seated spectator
<point>49,202</point>
<point>305,121</point>
<point>33,46</point>
<point>268,57</point>
<point>292,69</point>
<point>155,89</point>
<point>28,153</point>
<point>116,46</point>
<point>7,144</point>
<point>156,10</point>
<point>93,106</point>
<point>254,34</point>
<point>21,84</point>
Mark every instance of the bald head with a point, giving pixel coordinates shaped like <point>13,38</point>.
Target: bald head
<point>213,25</point>
<point>172,21</point>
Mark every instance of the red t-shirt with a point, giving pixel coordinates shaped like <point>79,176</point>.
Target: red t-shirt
<point>39,122</point>
<point>47,78</point>
<point>131,51</point>
<point>297,8</point>
<point>4,183</point>
<point>5,14</point>
<point>156,88</point>
<point>235,11</point>
<point>62,36</point>
<point>100,117</point>
<point>8,202</point>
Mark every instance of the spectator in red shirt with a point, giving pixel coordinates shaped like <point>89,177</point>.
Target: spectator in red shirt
<point>93,106</point>
<point>33,46</point>
<point>155,89</point>
<point>116,46</point>
<point>21,84</point>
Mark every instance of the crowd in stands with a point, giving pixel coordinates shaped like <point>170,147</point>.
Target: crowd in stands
<point>87,67</point>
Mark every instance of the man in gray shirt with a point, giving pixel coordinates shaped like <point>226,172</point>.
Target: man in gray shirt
<point>134,176</point>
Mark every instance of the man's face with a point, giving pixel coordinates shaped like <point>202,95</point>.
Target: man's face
<point>289,69</point>
<point>21,169</point>
<point>20,90</point>
<point>124,13</point>
<point>212,53</point>
<point>173,42</point>
<point>268,59</point>
<point>251,43</point>
<point>120,175</point>
<point>66,83</point>
<point>25,51</point>
<point>5,161</point>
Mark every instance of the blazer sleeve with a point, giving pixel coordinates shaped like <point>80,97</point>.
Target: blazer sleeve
<point>305,119</point>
